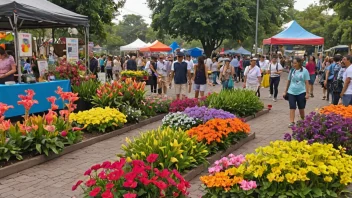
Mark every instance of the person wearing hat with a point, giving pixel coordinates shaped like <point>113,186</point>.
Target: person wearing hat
<point>226,72</point>
<point>252,76</point>
<point>181,73</point>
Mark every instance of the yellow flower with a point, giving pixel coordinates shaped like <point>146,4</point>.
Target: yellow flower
<point>327,178</point>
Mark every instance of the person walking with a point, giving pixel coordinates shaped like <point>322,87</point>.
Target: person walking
<point>275,70</point>
<point>297,92</point>
<point>180,73</point>
<point>200,77</point>
<point>235,63</point>
<point>346,93</point>
<point>329,74</point>
<point>311,67</point>
<point>226,72</point>
<point>93,64</point>
<point>117,69</point>
<point>252,76</point>
<point>153,79</point>
<point>132,64</point>
<point>214,70</point>
<point>108,67</point>
<point>163,74</point>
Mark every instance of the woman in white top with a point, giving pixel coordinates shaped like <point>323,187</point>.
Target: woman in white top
<point>252,76</point>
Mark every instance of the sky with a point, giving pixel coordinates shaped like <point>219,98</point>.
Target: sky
<point>139,7</point>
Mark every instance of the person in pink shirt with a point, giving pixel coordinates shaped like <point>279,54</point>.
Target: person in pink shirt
<point>311,67</point>
<point>7,67</point>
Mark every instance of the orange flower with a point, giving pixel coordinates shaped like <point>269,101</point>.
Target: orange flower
<point>220,179</point>
<point>338,109</point>
<point>218,129</point>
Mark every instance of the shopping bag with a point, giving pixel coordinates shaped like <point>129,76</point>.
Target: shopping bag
<point>266,81</point>
<point>230,84</point>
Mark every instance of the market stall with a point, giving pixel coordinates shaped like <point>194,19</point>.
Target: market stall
<point>294,35</point>
<point>34,14</point>
<point>157,46</point>
<point>134,46</point>
<point>242,51</point>
<point>195,52</point>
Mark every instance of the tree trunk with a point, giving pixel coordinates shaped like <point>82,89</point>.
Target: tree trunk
<point>208,50</point>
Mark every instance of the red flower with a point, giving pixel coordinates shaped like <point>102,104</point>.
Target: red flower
<point>129,195</point>
<point>161,185</point>
<point>106,164</point>
<point>88,172</point>
<point>137,163</point>
<point>130,184</point>
<point>152,158</point>
<point>175,194</point>
<point>96,167</point>
<point>102,175</point>
<point>119,164</point>
<point>74,187</point>
<point>164,173</point>
<point>107,194</point>
<point>145,181</point>
<point>131,175</point>
<point>91,182</point>
<point>94,192</point>
<point>115,175</point>
<point>109,185</point>
<point>64,133</point>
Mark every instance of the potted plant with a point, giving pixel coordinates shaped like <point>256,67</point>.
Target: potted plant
<point>85,91</point>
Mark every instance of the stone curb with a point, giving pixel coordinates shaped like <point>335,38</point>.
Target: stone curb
<point>201,168</point>
<point>23,165</point>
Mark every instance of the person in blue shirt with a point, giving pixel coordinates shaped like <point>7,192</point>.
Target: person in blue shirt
<point>296,91</point>
<point>236,64</point>
<point>330,72</point>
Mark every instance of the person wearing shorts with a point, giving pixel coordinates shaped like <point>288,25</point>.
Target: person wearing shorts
<point>297,91</point>
<point>200,77</point>
<point>162,75</point>
<point>180,72</point>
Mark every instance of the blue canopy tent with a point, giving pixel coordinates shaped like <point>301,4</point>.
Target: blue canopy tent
<point>195,52</point>
<point>174,46</point>
<point>243,51</point>
<point>230,51</point>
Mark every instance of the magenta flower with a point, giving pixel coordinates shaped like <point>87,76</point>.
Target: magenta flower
<point>248,185</point>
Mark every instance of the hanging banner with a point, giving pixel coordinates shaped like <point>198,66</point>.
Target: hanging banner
<point>72,49</point>
<point>25,44</point>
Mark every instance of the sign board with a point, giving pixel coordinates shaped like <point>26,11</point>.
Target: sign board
<point>43,67</point>
<point>25,44</point>
<point>72,49</point>
<point>102,77</point>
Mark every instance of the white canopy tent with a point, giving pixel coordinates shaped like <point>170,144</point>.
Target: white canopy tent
<point>134,46</point>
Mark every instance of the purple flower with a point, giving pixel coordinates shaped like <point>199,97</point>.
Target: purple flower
<point>205,114</point>
<point>287,137</point>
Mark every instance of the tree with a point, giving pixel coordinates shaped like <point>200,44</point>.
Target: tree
<point>113,41</point>
<point>210,21</point>
<point>99,12</point>
<point>132,27</point>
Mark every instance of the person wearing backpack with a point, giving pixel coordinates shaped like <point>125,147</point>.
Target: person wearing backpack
<point>330,73</point>
<point>275,70</point>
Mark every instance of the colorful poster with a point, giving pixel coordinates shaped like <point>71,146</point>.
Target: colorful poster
<point>43,67</point>
<point>72,49</point>
<point>25,44</point>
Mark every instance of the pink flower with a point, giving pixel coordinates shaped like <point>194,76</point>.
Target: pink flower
<point>91,182</point>
<point>50,128</point>
<point>88,172</point>
<point>248,185</point>
<point>152,158</point>
<point>107,194</point>
<point>64,133</point>
<point>74,187</point>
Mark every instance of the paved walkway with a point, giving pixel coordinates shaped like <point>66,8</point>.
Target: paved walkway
<point>55,178</point>
<point>269,127</point>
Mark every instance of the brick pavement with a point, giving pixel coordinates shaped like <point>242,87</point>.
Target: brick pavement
<point>55,178</point>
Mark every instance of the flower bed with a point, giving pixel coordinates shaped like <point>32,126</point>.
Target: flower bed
<point>282,169</point>
<point>75,72</point>
<point>205,114</point>
<point>239,102</point>
<point>37,134</point>
<point>324,128</point>
<point>180,120</point>
<point>338,109</point>
<point>131,179</point>
<point>99,119</point>
<point>136,75</point>
<point>219,134</point>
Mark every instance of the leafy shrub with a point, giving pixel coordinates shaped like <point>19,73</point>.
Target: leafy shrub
<point>181,105</point>
<point>239,102</point>
<point>203,113</point>
<point>86,89</point>
<point>99,119</point>
<point>330,128</point>
<point>285,169</point>
<point>155,104</point>
<point>219,134</point>
<point>75,72</point>
<point>132,114</point>
<point>180,120</point>
<point>177,148</point>
<point>129,179</point>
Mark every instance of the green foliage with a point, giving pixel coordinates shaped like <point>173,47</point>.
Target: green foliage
<point>9,150</point>
<point>132,114</point>
<point>239,102</point>
<point>132,27</point>
<point>99,12</point>
<point>175,148</point>
<point>86,89</point>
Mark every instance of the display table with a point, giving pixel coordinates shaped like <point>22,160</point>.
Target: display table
<point>43,90</point>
